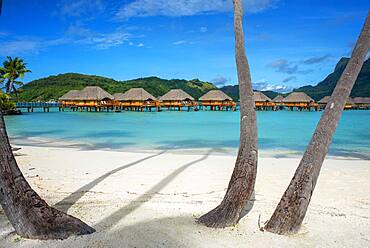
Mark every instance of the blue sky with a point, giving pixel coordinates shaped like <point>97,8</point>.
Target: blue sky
<point>289,43</point>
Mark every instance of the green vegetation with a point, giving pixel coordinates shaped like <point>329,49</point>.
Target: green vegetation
<point>12,70</point>
<point>233,92</point>
<point>326,87</point>
<point>54,87</point>
<point>6,103</point>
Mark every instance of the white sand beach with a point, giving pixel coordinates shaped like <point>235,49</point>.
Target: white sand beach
<point>152,199</point>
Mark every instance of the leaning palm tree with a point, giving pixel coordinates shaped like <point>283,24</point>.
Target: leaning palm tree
<point>12,70</point>
<point>241,185</point>
<point>291,210</point>
<point>30,215</point>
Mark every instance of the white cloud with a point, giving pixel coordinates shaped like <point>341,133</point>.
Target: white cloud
<point>78,8</point>
<point>288,79</point>
<point>219,80</point>
<point>17,47</point>
<point>143,8</point>
<point>284,66</point>
<point>27,45</point>
<point>179,42</point>
<point>317,59</point>
<point>74,35</point>
<point>101,41</point>
<point>140,45</point>
<point>265,86</point>
<point>203,29</point>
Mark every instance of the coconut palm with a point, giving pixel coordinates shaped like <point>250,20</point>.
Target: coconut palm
<point>291,210</point>
<point>12,70</point>
<point>241,185</point>
<point>30,215</point>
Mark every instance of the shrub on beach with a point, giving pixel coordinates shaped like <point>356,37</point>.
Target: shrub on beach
<point>6,103</point>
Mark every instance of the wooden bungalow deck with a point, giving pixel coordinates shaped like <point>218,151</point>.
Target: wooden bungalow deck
<point>324,101</point>
<point>263,102</point>
<point>91,98</point>
<point>217,100</point>
<point>177,99</point>
<point>300,101</point>
<point>135,99</point>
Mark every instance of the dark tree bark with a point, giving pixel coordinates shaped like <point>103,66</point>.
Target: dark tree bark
<point>291,210</point>
<point>30,216</point>
<point>241,185</point>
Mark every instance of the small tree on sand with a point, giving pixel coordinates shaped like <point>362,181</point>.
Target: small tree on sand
<point>291,210</point>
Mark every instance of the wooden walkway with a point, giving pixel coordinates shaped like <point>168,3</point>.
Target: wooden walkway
<point>30,106</point>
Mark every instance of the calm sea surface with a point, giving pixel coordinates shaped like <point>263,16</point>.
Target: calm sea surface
<point>283,131</point>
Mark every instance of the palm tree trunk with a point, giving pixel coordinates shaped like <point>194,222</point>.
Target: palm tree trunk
<point>9,86</point>
<point>30,216</point>
<point>241,185</point>
<point>291,210</point>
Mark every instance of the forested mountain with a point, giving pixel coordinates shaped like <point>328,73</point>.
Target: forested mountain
<point>54,87</point>
<point>326,87</point>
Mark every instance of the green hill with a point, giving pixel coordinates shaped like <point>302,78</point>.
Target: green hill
<point>326,87</point>
<point>233,92</point>
<point>54,87</point>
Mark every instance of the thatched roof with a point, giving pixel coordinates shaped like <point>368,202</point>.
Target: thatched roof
<point>176,95</point>
<point>94,93</point>
<point>326,99</point>
<point>70,95</point>
<point>215,95</point>
<point>278,98</point>
<point>134,94</point>
<point>298,97</point>
<point>260,97</point>
<point>361,100</point>
<point>118,96</point>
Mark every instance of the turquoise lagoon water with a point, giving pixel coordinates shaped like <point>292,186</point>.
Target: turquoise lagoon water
<point>283,131</point>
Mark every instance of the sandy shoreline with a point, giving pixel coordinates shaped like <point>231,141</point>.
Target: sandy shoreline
<point>137,199</point>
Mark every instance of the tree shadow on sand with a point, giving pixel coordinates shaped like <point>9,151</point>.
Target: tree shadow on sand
<point>115,217</point>
<point>69,201</point>
<point>161,232</point>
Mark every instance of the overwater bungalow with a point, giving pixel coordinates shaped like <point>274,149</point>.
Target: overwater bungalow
<point>136,99</point>
<point>263,102</point>
<point>278,100</point>
<point>177,99</point>
<point>91,97</point>
<point>69,98</point>
<point>361,102</point>
<point>217,100</point>
<point>300,101</point>
<point>324,101</point>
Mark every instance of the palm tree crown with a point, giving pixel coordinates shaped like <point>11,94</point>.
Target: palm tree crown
<point>12,70</point>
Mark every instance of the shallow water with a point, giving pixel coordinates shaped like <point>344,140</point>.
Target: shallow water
<point>282,131</point>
